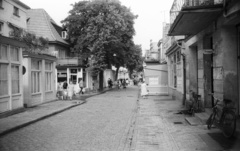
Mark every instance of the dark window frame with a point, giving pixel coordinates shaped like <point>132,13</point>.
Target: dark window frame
<point>16,11</point>
<point>1,4</point>
<point>1,27</point>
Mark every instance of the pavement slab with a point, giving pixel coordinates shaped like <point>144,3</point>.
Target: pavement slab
<point>160,127</point>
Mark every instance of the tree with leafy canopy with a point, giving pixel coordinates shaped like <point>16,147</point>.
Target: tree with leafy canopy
<point>101,29</point>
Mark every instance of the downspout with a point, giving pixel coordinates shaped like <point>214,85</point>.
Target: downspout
<point>184,78</point>
<point>184,73</point>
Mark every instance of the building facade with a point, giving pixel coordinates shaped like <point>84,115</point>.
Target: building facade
<point>211,47</point>
<point>12,16</point>
<point>155,73</point>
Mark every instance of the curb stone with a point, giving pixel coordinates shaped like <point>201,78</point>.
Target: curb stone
<point>39,119</point>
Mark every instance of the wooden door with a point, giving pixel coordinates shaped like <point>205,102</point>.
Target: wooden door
<point>208,80</point>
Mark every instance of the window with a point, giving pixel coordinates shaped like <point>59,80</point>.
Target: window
<point>48,76</point>
<point>1,4</point>
<point>64,34</point>
<point>15,79</point>
<point>14,53</point>
<point>62,53</point>
<point>3,79</point>
<point>35,76</point>
<point>1,27</point>
<point>16,11</point>
<point>3,52</point>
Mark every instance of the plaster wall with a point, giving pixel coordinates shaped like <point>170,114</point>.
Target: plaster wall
<point>230,84</point>
<point>6,15</point>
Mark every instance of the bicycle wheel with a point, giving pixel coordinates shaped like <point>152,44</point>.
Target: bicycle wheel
<point>228,124</point>
<point>211,120</point>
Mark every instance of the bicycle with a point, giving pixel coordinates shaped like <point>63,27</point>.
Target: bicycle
<point>225,120</point>
<point>195,103</point>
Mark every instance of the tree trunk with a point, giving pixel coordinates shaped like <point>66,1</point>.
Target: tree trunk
<point>101,80</point>
<point>116,74</point>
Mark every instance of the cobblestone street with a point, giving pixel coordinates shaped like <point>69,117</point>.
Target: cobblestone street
<point>118,121</point>
<point>100,124</point>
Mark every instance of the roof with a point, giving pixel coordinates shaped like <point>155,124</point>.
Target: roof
<point>41,24</point>
<point>21,4</point>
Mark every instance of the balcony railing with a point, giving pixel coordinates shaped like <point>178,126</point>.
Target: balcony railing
<point>178,5</point>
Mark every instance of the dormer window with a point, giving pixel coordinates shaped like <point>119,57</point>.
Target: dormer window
<point>64,34</point>
<point>16,11</point>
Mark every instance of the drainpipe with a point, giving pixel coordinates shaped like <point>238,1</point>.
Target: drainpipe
<point>179,44</point>
<point>184,78</point>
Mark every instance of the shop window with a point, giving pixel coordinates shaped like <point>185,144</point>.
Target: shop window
<point>35,76</point>
<point>15,79</point>
<point>3,52</point>
<point>48,76</point>
<point>14,53</point>
<point>3,79</point>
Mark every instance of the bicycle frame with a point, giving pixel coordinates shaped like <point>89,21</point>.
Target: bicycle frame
<point>220,118</point>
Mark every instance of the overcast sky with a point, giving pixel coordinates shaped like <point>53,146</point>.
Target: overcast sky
<point>152,14</point>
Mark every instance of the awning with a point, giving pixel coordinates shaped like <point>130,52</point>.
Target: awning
<point>190,21</point>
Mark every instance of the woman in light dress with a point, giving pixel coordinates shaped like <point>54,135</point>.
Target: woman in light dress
<point>144,91</point>
<point>70,90</point>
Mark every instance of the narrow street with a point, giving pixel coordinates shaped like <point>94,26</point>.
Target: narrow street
<point>119,120</point>
<point>100,124</point>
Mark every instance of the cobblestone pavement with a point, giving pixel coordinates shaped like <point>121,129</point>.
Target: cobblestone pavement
<point>101,124</point>
<point>159,128</point>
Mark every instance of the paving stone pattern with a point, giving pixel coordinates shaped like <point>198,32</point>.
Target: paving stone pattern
<point>159,128</point>
<point>101,124</point>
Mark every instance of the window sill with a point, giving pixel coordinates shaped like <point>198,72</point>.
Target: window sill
<point>4,96</point>
<point>37,93</point>
<point>16,15</point>
<point>17,94</point>
<point>50,91</point>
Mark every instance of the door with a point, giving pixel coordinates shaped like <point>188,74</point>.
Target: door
<point>238,70</point>
<point>208,80</point>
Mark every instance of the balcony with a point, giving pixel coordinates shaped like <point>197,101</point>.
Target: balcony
<point>188,17</point>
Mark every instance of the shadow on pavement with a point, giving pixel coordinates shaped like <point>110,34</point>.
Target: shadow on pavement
<point>223,141</point>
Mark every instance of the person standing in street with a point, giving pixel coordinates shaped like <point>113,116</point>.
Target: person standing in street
<point>109,83</point>
<point>144,90</point>
<point>70,90</point>
<point>65,86</point>
<point>81,86</point>
<point>60,91</point>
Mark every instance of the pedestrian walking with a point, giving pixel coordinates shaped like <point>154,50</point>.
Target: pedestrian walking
<point>60,91</point>
<point>110,83</point>
<point>127,82</point>
<point>70,90</point>
<point>124,83</point>
<point>144,90</point>
<point>65,86</point>
<point>81,86</point>
<point>118,84</point>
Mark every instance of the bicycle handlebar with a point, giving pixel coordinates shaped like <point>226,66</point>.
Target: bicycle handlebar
<point>215,98</point>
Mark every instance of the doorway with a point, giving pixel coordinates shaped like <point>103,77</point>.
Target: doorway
<point>208,80</point>
<point>238,43</point>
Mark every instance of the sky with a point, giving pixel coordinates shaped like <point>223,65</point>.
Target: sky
<point>148,25</point>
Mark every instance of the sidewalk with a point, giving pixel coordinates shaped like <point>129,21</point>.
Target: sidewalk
<point>159,126</point>
<point>31,115</point>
